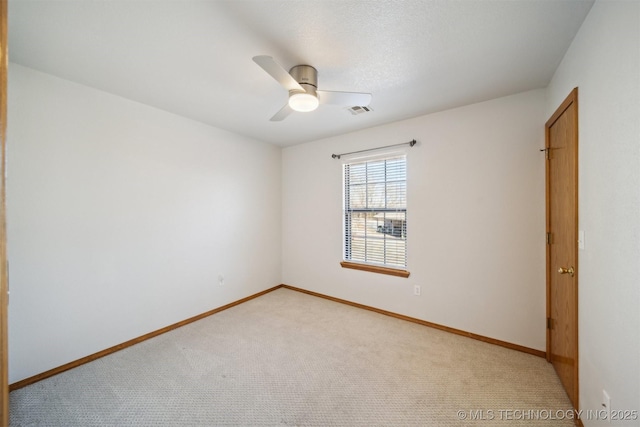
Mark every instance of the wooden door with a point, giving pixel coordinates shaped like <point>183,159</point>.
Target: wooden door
<point>4,357</point>
<point>562,243</point>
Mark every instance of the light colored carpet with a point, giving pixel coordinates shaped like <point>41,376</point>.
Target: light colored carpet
<point>287,358</point>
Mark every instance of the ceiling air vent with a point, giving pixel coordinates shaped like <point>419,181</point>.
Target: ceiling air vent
<point>359,110</point>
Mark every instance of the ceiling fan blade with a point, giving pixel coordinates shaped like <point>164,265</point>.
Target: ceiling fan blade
<point>347,99</point>
<point>282,114</point>
<point>277,72</point>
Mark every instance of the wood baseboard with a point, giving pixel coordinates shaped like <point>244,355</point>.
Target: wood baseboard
<point>27,381</point>
<point>505,344</point>
<point>47,374</point>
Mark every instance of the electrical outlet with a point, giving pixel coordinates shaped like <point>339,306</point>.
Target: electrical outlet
<point>416,290</point>
<point>606,404</point>
<point>221,280</point>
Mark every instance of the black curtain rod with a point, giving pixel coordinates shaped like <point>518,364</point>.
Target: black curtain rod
<point>411,144</point>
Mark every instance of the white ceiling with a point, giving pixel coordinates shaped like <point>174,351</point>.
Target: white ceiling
<point>193,58</point>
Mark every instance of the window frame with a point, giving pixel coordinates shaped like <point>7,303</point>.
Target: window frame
<point>347,236</point>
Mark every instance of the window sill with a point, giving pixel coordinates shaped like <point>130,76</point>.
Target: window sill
<point>375,269</point>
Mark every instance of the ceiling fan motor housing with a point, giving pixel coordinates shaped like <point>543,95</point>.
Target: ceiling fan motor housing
<point>306,76</point>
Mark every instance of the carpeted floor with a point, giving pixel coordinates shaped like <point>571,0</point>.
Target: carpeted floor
<point>287,358</point>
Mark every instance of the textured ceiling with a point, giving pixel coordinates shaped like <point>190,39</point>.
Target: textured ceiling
<point>193,58</point>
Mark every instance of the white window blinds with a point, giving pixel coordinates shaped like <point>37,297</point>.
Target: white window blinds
<point>375,212</point>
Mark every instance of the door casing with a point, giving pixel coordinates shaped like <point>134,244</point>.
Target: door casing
<point>4,285</point>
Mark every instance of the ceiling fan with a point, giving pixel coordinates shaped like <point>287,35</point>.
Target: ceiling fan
<point>302,83</point>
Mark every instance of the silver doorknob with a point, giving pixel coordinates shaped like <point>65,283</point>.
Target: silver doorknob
<point>570,271</point>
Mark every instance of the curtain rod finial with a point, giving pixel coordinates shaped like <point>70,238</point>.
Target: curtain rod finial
<point>412,143</point>
<point>335,156</point>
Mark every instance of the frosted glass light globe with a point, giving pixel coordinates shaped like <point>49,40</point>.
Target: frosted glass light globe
<point>303,102</point>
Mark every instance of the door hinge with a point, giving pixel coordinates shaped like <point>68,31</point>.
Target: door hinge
<point>546,152</point>
<point>548,237</point>
<point>549,323</point>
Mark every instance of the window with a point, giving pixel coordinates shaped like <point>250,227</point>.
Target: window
<point>375,215</point>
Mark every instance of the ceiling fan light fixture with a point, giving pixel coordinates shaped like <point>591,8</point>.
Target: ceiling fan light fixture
<point>303,102</point>
<point>302,83</point>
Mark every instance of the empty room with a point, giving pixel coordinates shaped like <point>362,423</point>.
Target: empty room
<point>320,212</point>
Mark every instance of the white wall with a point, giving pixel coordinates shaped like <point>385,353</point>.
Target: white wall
<point>122,216</point>
<point>476,221</point>
<point>604,63</point>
